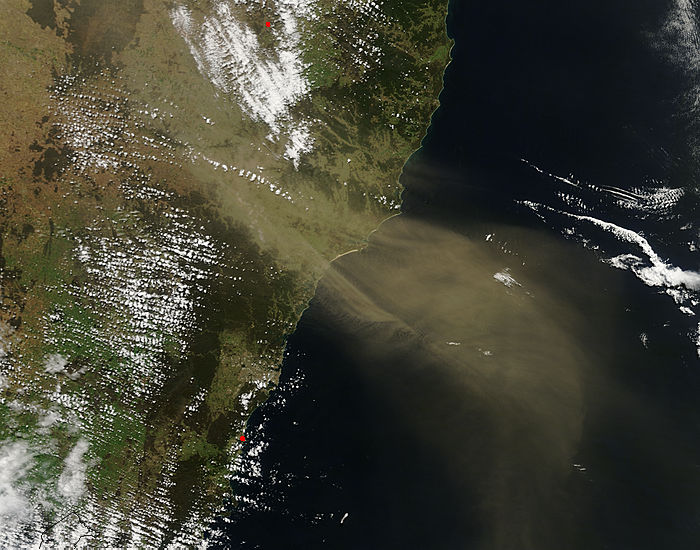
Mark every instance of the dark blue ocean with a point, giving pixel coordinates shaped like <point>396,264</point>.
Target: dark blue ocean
<point>513,363</point>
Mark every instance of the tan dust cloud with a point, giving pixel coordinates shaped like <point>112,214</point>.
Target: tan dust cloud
<point>480,356</point>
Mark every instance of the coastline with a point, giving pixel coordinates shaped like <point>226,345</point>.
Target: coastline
<point>132,164</point>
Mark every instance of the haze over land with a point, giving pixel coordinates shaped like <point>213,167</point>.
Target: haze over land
<point>174,179</point>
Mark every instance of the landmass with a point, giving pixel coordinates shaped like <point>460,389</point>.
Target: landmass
<point>175,177</point>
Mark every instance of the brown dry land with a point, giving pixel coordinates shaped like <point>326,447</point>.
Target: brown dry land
<point>157,248</point>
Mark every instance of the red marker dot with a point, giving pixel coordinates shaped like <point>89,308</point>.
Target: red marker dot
<point>242,438</point>
<point>268,24</point>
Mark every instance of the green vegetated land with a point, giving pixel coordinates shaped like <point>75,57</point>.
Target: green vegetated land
<point>158,246</point>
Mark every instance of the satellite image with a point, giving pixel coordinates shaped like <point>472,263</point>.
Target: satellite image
<point>299,274</point>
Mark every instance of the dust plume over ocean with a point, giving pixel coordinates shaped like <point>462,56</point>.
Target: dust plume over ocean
<point>513,362</point>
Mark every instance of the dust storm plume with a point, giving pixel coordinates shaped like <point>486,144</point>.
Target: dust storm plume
<point>471,341</point>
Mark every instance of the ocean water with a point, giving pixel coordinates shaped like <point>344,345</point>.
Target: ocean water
<point>512,363</point>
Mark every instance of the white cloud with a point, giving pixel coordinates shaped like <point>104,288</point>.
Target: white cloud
<point>678,38</point>
<point>49,419</point>
<point>506,278</point>
<point>55,363</point>
<point>71,484</point>
<point>265,83</point>
<point>15,462</point>
<point>5,333</point>
<point>659,273</point>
